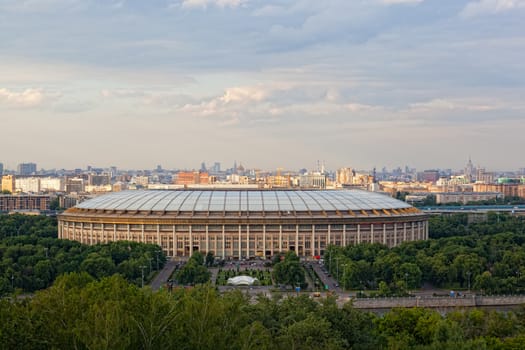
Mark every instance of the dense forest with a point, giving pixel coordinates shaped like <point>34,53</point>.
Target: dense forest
<point>81,312</point>
<point>487,256</point>
<point>31,256</point>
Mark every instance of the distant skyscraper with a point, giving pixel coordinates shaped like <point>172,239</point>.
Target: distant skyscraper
<point>1,169</point>
<point>25,169</point>
<point>216,167</point>
<point>469,171</point>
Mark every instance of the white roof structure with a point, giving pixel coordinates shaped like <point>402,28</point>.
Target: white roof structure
<point>243,201</point>
<point>242,281</point>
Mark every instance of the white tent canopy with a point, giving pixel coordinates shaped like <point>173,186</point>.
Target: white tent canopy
<point>242,281</point>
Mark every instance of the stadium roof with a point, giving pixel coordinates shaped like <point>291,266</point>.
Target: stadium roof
<point>242,200</point>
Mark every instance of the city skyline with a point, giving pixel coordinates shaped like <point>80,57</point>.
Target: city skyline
<point>270,83</point>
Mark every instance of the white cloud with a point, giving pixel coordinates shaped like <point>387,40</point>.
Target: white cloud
<point>218,3</point>
<point>26,98</point>
<point>489,7</point>
<point>441,105</point>
<point>393,2</point>
<point>243,95</point>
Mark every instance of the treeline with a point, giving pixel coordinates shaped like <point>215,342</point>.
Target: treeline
<point>83,313</point>
<point>430,201</point>
<point>31,257</point>
<point>458,225</point>
<point>493,264</point>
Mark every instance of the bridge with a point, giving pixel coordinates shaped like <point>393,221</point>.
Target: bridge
<point>444,209</point>
<point>440,303</point>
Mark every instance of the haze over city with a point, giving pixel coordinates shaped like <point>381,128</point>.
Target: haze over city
<point>270,83</point>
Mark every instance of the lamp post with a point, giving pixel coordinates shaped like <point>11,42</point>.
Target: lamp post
<point>142,267</point>
<point>45,250</point>
<point>337,267</point>
<point>344,275</point>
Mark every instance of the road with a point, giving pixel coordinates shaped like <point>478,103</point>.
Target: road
<point>327,281</point>
<point>163,275</point>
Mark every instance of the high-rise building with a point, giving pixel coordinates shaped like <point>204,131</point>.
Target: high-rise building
<point>216,167</point>
<point>1,169</point>
<point>345,176</point>
<point>99,180</point>
<point>192,178</point>
<point>25,169</point>
<point>28,184</point>
<point>469,171</point>
<point>8,183</point>
<point>76,185</point>
<point>54,184</point>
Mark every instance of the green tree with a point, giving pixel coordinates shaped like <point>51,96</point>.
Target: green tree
<point>98,266</point>
<point>310,333</point>
<point>193,272</point>
<point>289,271</point>
<point>210,259</point>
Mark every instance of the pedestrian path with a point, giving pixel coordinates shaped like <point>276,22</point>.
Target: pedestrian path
<point>163,275</point>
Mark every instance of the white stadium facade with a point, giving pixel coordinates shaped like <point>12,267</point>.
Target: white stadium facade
<point>244,223</point>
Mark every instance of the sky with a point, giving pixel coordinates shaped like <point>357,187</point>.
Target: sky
<point>266,83</point>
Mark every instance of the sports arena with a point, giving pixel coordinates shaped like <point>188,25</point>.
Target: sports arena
<point>244,223</point>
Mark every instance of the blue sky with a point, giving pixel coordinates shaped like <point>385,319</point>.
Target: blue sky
<point>272,83</point>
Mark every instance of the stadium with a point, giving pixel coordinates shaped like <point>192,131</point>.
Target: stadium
<point>242,224</point>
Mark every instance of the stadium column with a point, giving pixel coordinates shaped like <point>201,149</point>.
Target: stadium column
<point>329,240</point>
<point>404,232</point>
<point>91,233</point>
<point>207,240</point>
<point>191,240</point>
<point>104,237</point>
<point>344,235</point>
<point>413,225</point>
<point>174,242</point>
<point>297,240</point>
<point>240,243</point>
<point>247,241</point>
<point>264,240</point>
<point>395,234</point>
<point>426,230</point>
<point>384,233</point>
<point>280,238</point>
<point>223,244</point>
<point>142,240</point>
<point>419,230</point>
<point>371,233</point>
<point>158,236</point>
<point>129,233</point>
<point>313,241</point>
<point>114,232</point>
